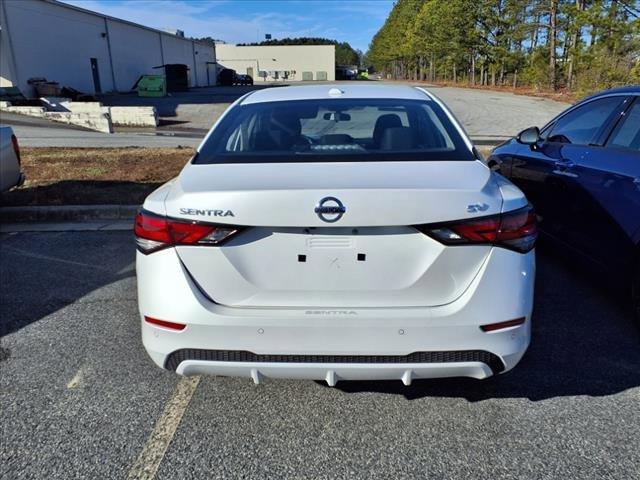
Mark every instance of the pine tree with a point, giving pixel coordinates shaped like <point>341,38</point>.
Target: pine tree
<point>581,45</point>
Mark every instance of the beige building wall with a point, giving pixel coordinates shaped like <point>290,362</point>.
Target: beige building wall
<point>291,63</point>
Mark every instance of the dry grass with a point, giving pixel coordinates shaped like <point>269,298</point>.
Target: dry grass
<point>560,95</point>
<point>58,176</point>
<point>45,165</point>
<point>485,151</point>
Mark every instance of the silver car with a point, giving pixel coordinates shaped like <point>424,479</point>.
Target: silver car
<point>10,169</point>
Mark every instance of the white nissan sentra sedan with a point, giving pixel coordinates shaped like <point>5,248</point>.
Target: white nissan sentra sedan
<point>336,233</point>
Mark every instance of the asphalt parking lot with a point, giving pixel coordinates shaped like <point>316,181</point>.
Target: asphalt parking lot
<point>80,399</point>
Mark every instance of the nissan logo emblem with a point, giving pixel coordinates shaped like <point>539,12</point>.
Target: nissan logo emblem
<point>330,209</point>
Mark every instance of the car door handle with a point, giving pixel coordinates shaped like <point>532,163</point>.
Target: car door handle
<point>563,168</point>
<point>564,164</point>
<point>564,173</point>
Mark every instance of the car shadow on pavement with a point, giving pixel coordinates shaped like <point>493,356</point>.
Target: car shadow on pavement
<point>584,343</point>
<point>42,273</point>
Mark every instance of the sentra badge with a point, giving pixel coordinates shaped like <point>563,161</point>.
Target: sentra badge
<point>206,213</point>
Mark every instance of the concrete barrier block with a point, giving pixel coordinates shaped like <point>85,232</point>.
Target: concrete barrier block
<point>134,116</point>
<point>31,111</point>
<point>97,121</point>
<point>85,107</point>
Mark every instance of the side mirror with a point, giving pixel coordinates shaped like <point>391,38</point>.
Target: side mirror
<point>529,136</point>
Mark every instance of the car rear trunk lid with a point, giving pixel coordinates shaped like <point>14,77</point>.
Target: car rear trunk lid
<point>370,257</point>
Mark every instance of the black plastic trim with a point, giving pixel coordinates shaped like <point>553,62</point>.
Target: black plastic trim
<point>488,358</point>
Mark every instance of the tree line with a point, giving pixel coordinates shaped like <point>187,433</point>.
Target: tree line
<point>574,45</point>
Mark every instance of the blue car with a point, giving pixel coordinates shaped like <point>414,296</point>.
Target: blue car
<point>581,171</point>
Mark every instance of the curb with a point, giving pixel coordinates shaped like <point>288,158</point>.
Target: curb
<point>67,213</point>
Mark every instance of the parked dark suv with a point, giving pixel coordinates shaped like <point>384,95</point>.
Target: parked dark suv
<point>582,173</point>
<point>242,79</point>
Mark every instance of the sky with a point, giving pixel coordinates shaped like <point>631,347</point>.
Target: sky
<point>244,21</point>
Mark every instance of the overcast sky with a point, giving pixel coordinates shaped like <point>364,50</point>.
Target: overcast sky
<point>242,21</point>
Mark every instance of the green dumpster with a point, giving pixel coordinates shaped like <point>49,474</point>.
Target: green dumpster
<point>152,86</point>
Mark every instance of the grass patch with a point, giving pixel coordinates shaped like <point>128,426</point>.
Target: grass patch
<point>85,176</point>
<point>485,151</point>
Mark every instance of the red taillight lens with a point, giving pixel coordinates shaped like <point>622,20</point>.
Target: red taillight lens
<point>165,324</point>
<point>492,327</point>
<point>16,147</point>
<point>518,230</point>
<point>152,227</point>
<point>154,232</point>
<point>189,233</point>
<point>484,230</point>
<point>515,230</point>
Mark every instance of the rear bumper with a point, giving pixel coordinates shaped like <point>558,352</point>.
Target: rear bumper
<point>340,344</point>
<point>332,373</point>
<point>472,363</point>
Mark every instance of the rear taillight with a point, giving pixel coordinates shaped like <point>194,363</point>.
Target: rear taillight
<point>154,232</point>
<point>516,230</point>
<point>16,147</point>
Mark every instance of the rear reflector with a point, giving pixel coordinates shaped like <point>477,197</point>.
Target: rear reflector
<point>516,230</point>
<point>165,324</point>
<point>154,232</point>
<point>492,327</point>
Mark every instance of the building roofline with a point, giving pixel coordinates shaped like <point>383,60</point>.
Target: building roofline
<point>269,46</point>
<point>121,20</point>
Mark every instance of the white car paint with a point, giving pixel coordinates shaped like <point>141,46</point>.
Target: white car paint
<point>410,294</point>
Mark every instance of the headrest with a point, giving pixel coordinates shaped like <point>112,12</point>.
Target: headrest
<point>398,138</point>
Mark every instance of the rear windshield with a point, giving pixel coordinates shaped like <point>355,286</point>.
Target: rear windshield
<point>340,130</point>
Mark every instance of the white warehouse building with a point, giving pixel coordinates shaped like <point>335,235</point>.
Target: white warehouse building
<point>269,63</point>
<point>89,51</point>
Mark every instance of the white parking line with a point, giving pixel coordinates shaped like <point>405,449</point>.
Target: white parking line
<point>149,460</point>
<point>77,379</point>
<point>39,256</point>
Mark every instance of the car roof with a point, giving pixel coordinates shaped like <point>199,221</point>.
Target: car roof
<point>629,90</point>
<point>337,90</point>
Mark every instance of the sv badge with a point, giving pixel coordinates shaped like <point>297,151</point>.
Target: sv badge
<point>477,207</point>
